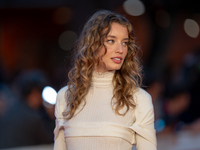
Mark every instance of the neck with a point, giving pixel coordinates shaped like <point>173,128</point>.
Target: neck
<point>102,79</point>
<point>102,70</point>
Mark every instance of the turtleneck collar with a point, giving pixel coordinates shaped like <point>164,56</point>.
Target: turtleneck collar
<point>102,79</point>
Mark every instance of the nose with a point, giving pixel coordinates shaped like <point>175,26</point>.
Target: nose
<point>119,48</point>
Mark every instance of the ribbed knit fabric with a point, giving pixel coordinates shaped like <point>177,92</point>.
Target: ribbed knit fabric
<point>97,127</point>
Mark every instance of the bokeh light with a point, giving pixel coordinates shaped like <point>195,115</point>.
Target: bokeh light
<point>67,39</point>
<point>191,28</point>
<point>159,125</point>
<point>49,95</point>
<point>134,7</point>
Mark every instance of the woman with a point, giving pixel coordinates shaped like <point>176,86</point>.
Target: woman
<point>103,106</point>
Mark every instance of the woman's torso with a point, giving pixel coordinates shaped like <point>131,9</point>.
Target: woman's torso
<point>96,126</point>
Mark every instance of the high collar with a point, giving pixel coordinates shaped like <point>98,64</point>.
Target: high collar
<point>102,79</point>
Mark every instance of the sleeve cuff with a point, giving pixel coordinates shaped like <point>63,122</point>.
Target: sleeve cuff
<point>147,133</point>
<point>59,126</point>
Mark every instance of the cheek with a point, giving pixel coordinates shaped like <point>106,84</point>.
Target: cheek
<point>107,53</point>
<point>105,58</point>
<point>101,51</point>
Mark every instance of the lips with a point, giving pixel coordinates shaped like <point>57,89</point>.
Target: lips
<point>117,60</point>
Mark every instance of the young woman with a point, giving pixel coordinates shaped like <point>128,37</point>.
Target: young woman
<point>103,106</point>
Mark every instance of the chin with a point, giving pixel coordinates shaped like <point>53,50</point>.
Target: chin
<point>113,67</point>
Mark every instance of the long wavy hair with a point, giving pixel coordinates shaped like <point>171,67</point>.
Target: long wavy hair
<point>91,39</point>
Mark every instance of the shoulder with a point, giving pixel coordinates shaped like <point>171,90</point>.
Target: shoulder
<point>60,102</point>
<point>63,90</point>
<point>142,97</point>
<point>139,92</point>
<point>61,95</point>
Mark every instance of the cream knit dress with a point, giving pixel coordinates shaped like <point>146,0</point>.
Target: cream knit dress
<point>97,127</point>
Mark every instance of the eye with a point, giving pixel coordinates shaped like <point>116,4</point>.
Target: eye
<point>125,43</point>
<point>110,41</point>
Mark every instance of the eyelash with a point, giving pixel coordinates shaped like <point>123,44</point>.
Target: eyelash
<point>126,43</point>
<point>112,41</point>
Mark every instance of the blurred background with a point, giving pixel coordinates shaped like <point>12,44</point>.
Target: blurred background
<point>36,41</point>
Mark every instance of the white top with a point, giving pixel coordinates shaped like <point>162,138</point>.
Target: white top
<point>97,127</point>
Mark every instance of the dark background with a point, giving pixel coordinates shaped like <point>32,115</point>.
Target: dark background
<point>31,31</point>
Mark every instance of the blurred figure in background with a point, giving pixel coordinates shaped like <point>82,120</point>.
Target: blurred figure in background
<point>7,99</point>
<point>191,73</point>
<point>27,122</point>
<point>177,101</point>
<point>181,107</point>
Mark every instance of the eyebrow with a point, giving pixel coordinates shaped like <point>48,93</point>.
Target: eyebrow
<point>112,36</point>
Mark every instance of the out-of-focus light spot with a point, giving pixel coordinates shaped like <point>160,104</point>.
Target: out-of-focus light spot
<point>62,15</point>
<point>162,18</point>
<point>67,39</point>
<point>49,95</point>
<point>191,28</point>
<point>134,7</point>
<point>159,125</point>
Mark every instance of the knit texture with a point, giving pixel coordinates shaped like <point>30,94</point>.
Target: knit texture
<point>95,116</point>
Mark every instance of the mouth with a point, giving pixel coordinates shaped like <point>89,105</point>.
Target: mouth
<point>117,60</point>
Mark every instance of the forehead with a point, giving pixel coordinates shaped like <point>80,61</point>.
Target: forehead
<point>118,29</point>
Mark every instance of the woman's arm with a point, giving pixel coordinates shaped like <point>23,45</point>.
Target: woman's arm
<point>60,143</point>
<point>59,138</point>
<point>144,125</point>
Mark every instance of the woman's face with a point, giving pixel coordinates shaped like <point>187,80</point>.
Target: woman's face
<point>116,44</point>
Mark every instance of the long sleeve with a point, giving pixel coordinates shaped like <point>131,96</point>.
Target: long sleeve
<point>144,125</point>
<point>59,139</point>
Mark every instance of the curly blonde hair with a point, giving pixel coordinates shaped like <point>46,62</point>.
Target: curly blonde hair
<point>87,59</point>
